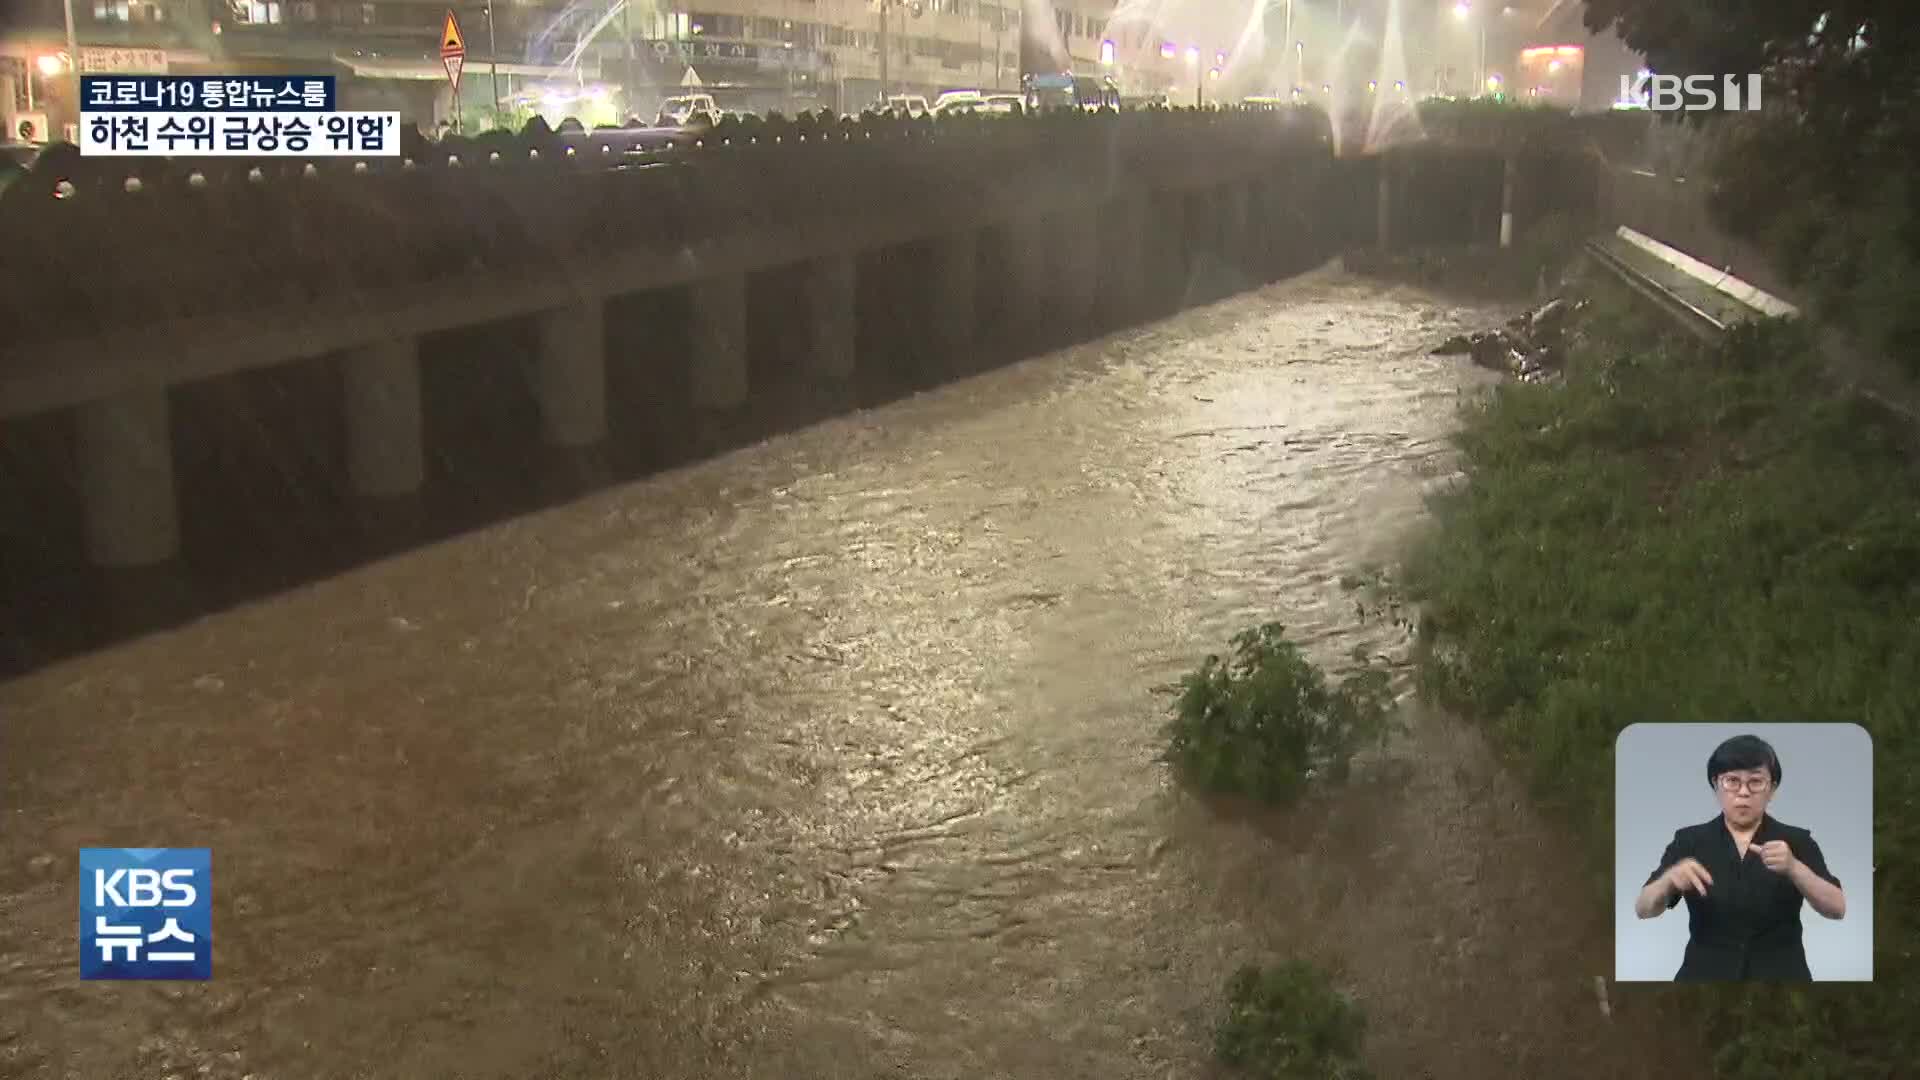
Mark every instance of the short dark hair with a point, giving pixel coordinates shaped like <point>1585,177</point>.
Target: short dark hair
<point>1740,753</point>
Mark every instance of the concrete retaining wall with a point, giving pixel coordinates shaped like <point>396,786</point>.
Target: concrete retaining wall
<point>555,301</point>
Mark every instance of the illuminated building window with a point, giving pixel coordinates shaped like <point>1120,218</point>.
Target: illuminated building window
<point>673,26</point>
<point>129,11</point>
<point>257,12</point>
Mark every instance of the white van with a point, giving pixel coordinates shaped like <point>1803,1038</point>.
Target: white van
<point>958,99</point>
<point>913,105</point>
<point>688,109</point>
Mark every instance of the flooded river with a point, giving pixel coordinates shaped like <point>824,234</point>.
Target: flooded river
<point>831,757</point>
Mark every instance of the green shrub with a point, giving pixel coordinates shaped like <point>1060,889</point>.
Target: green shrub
<point>1846,233</point>
<point>1692,534</point>
<point>1288,1023</point>
<point>1498,122</point>
<point>1264,722</point>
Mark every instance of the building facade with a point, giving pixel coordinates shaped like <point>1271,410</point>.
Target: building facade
<point>607,58</point>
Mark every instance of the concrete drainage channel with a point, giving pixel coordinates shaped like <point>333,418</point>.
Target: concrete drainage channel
<point>1702,300</point>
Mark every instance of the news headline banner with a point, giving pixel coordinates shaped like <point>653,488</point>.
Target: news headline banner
<point>227,116</point>
<point>208,93</point>
<point>339,134</point>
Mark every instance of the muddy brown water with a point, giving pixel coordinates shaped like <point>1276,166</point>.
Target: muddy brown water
<point>831,757</point>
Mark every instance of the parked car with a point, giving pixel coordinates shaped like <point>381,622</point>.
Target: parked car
<point>957,99</point>
<point>985,107</point>
<point>688,110</point>
<point>913,105</point>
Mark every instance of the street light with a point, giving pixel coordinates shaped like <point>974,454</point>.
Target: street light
<point>493,61</point>
<point>1289,37</point>
<point>73,61</point>
<point>49,65</point>
<point>1464,12</point>
<point>1199,83</point>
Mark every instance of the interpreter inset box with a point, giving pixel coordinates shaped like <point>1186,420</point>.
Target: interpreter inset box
<point>1743,852</point>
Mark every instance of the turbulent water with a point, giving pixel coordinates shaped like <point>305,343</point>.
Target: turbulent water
<point>831,757</point>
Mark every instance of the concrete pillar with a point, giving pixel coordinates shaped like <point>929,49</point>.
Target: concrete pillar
<point>1232,212</point>
<point>1031,290</point>
<point>1278,234</point>
<point>1383,205</point>
<point>719,339</point>
<point>951,290</point>
<point>126,479</point>
<point>1509,174</point>
<point>1254,240</point>
<point>831,318</point>
<point>1124,241</point>
<point>570,374</point>
<point>1074,236</point>
<point>1172,248</point>
<point>1198,221</point>
<point>385,453</point>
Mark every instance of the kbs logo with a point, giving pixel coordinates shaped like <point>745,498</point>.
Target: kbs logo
<point>1695,93</point>
<point>146,913</point>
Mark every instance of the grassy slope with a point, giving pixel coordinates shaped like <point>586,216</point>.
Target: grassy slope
<point>1694,535</point>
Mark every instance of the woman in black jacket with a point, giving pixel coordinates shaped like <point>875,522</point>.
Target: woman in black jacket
<point>1743,876</point>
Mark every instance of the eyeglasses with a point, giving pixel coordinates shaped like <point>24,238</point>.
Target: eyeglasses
<point>1733,785</point>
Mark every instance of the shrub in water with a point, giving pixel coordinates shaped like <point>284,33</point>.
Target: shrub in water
<point>1265,722</point>
<point>1289,1023</point>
